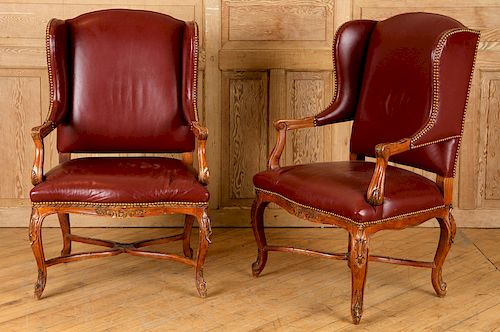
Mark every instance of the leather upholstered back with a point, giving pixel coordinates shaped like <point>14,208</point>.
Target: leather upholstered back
<point>415,84</point>
<point>122,81</point>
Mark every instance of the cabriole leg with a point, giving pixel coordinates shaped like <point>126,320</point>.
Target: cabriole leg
<point>186,242</point>
<point>66,231</point>
<point>35,237</point>
<point>257,215</point>
<point>204,238</point>
<point>447,235</point>
<point>358,257</point>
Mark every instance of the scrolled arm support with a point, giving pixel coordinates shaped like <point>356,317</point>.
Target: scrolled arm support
<point>282,126</point>
<point>38,134</point>
<point>375,193</point>
<point>201,134</point>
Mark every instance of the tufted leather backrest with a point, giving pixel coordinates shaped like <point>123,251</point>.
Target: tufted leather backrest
<point>415,85</point>
<point>122,81</point>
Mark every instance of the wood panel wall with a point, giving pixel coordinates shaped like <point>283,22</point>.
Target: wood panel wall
<point>261,60</point>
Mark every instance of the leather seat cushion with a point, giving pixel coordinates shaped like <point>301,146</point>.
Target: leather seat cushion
<point>340,188</point>
<point>120,180</point>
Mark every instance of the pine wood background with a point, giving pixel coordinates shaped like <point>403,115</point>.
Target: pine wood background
<point>261,60</point>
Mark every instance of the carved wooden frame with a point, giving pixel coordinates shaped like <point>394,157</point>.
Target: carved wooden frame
<point>357,255</point>
<point>192,211</point>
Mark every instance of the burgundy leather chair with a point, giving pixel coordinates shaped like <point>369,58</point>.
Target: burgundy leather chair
<point>122,81</point>
<point>405,82</point>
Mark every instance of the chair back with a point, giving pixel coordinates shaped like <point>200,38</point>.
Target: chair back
<point>117,76</point>
<point>415,84</point>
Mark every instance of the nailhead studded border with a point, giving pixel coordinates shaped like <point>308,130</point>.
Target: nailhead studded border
<point>119,205</point>
<point>356,223</point>
<point>195,72</point>
<point>335,72</point>
<point>436,141</point>
<point>435,96</point>
<point>48,57</point>
<point>466,103</point>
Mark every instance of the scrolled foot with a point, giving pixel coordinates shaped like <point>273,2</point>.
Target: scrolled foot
<point>40,284</point>
<point>259,263</point>
<point>437,282</point>
<point>447,234</point>
<point>257,216</point>
<point>201,285</point>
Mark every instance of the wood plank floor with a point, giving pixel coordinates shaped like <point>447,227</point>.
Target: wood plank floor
<point>294,293</point>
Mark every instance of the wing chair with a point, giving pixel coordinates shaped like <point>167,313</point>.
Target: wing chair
<point>122,81</point>
<point>405,83</point>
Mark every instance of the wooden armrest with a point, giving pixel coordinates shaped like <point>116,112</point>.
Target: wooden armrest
<point>375,193</point>
<point>201,134</point>
<point>38,133</point>
<point>282,126</point>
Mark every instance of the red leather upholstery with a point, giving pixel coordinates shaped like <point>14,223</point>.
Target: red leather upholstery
<point>120,180</point>
<point>349,51</point>
<point>57,47</point>
<point>118,82</point>
<point>415,83</point>
<point>340,188</point>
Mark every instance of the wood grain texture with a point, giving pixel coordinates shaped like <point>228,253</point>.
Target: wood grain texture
<point>212,106</point>
<point>472,14</point>
<point>22,23</point>
<point>20,95</point>
<point>277,102</point>
<point>306,100</point>
<point>307,96</point>
<point>246,133</point>
<point>252,23</point>
<point>277,24</point>
<point>125,293</point>
<point>468,159</point>
<point>488,194</point>
<point>492,176</point>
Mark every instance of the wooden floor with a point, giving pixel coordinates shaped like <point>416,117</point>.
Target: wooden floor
<point>294,293</point>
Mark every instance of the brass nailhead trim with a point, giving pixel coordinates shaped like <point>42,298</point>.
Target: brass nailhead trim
<point>118,205</point>
<point>335,72</point>
<point>359,224</point>
<point>334,60</point>
<point>48,57</point>
<point>466,103</point>
<point>435,79</point>
<point>436,141</point>
<point>195,72</point>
